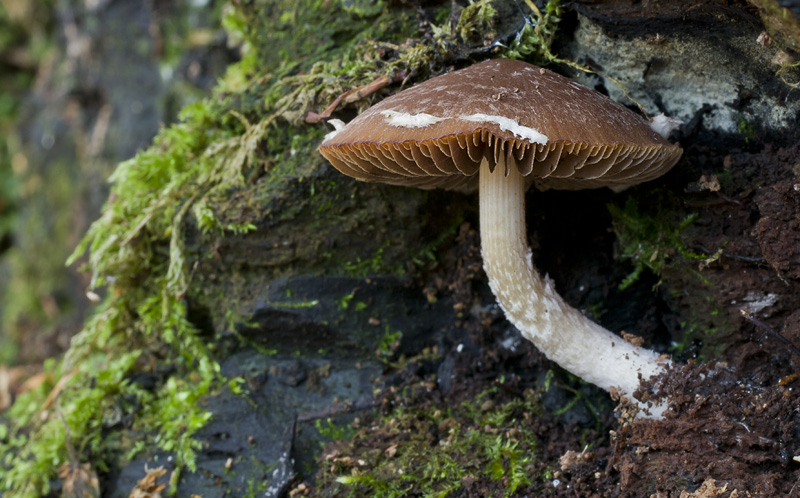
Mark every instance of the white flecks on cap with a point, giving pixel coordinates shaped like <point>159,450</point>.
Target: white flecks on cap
<point>338,125</point>
<point>663,124</point>
<point>406,120</point>
<point>531,134</point>
<point>421,120</point>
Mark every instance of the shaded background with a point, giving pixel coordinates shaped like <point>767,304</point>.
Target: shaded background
<point>85,85</point>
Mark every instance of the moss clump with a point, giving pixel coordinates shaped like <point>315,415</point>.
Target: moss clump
<point>747,129</point>
<point>656,240</point>
<point>536,36</point>
<point>650,241</point>
<point>332,431</point>
<point>421,450</point>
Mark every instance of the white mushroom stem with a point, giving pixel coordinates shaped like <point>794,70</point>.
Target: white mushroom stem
<point>531,303</point>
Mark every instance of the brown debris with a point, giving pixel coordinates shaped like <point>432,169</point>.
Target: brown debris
<point>17,380</point>
<point>148,486</point>
<point>79,481</point>
<point>632,339</point>
<point>710,182</point>
<point>717,428</point>
<point>572,458</point>
<point>778,230</point>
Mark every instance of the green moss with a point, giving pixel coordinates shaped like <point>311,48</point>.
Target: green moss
<point>476,20</point>
<point>477,439</point>
<point>747,129</point>
<point>655,240</point>
<point>373,265</point>
<point>295,305</point>
<point>577,396</point>
<point>344,302</point>
<point>74,423</point>
<point>388,343</point>
<point>141,231</point>
<point>535,38</point>
<point>650,240</point>
<point>332,431</point>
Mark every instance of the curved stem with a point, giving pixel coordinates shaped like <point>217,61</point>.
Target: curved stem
<point>531,303</point>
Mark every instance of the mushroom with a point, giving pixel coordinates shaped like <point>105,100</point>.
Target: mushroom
<point>502,125</point>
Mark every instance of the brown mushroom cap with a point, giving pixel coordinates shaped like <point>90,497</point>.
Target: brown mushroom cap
<point>560,133</point>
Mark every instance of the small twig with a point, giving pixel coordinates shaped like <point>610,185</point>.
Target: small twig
<point>141,224</point>
<point>60,385</point>
<point>749,259</point>
<point>337,409</point>
<point>730,199</point>
<point>355,94</point>
<point>774,333</point>
<point>73,458</point>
